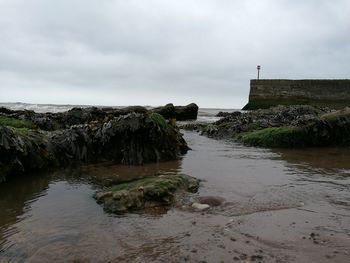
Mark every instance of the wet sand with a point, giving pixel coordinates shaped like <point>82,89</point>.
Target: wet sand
<point>280,206</point>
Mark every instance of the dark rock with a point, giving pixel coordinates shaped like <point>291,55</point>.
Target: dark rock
<point>129,139</point>
<point>167,111</point>
<point>180,113</point>
<point>189,112</point>
<point>211,200</point>
<point>21,152</point>
<point>6,111</point>
<point>222,114</point>
<point>76,116</point>
<point>227,114</point>
<point>285,126</point>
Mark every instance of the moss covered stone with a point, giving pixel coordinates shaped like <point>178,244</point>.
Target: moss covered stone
<point>145,192</point>
<point>275,137</point>
<point>331,129</point>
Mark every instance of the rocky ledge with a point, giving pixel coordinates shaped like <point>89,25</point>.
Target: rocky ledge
<point>152,191</point>
<point>283,126</point>
<point>134,138</point>
<point>63,120</point>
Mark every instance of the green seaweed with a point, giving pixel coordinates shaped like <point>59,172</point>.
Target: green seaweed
<point>145,192</point>
<point>275,137</point>
<point>16,123</point>
<point>158,120</point>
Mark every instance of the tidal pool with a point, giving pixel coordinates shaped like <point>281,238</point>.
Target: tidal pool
<point>280,206</point>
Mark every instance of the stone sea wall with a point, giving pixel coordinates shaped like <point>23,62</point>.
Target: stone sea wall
<point>333,93</point>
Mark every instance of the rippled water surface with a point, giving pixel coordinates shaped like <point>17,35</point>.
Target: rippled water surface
<point>281,206</point>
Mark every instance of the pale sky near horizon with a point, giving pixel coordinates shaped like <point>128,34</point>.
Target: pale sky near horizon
<point>138,52</point>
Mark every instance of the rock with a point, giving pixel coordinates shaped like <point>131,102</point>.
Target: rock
<point>200,207</point>
<point>134,138</point>
<point>189,112</point>
<point>180,113</point>
<point>226,114</point>
<point>167,111</point>
<point>150,191</point>
<point>211,200</point>
<point>284,126</point>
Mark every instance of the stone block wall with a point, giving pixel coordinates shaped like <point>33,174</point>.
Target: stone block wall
<point>334,93</point>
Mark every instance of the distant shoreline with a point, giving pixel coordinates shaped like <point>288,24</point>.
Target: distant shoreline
<point>42,108</point>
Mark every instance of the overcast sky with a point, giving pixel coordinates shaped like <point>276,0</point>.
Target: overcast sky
<point>151,52</point>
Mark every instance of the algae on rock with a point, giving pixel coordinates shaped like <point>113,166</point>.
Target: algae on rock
<point>128,139</point>
<point>146,192</point>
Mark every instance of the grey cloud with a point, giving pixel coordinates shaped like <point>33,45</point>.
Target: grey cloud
<point>159,51</point>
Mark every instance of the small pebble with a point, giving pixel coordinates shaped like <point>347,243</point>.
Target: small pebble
<point>200,207</point>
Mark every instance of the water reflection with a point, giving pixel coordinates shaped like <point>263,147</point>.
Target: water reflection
<point>41,200</point>
<point>113,173</point>
<point>321,161</point>
<point>16,197</point>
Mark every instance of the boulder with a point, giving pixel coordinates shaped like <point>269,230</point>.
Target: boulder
<point>167,111</point>
<point>180,113</point>
<point>189,112</point>
<point>152,191</point>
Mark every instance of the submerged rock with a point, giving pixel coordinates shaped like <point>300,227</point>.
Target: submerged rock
<point>146,192</point>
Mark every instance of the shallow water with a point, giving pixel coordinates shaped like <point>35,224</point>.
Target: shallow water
<point>281,206</point>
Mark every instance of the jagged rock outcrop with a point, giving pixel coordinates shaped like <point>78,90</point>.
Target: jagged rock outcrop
<point>134,138</point>
<point>283,126</point>
<point>238,122</point>
<point>63,120</point>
